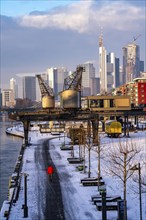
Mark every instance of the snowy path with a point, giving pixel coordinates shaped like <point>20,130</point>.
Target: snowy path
<point>76,198</point>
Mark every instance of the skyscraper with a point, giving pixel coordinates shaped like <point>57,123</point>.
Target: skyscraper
<point>52,79</point>
<point>113,77</point>
<point>131,62</point>
<point>14,87</point>
<point>62,73</point>
<point>29,87</point>
<point>102,66</point>
<point>0,98</point>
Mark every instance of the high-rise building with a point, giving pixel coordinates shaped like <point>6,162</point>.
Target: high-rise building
<point>0,98</point>
<point>52,79</point>
<point>29,87</point>
<point>14,87</point>
<point>55,78</point>
<point>8,98</point>
<point>95,86</point>
<point>110,62</point>
<point>113,76</point>
<point>108,69</point>
<point>62,73</point>
<point>88,77</point>
<point>117,72</point>
<point>141,66</point>
<point>102,66</point>
<point>131,62</point>
<point>121,75</point>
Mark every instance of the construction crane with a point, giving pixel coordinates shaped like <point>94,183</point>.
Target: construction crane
<point>74,80</point>
<point>135,38</point>
<point>47,94</point>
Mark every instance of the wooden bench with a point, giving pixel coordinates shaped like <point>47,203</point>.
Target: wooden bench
<point>110,206</point>
<point>90,179</point>
<point>108,199</point>
<point>92,183</point>
<point>99,197</point>
<point>66,148</point>
<point>75,160</point>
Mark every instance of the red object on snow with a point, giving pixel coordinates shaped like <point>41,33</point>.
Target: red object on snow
<point>50,170</point>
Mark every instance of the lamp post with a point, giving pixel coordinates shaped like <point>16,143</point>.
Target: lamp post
<point>64,137</point>
<point>98,150</point>
<point>64,133</point>
<point>89,157</point>
<point>137,167</point>
<point>25,207</point>
<point>102,190</point>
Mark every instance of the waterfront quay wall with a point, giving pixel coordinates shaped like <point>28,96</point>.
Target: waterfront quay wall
<point>14,186</point>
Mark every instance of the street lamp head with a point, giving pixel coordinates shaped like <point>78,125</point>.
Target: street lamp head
<point>135,167</point>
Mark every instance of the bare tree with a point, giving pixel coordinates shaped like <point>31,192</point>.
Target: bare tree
<point>121,158</point>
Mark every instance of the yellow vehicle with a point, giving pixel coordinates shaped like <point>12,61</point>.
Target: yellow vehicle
<point>113,128</point>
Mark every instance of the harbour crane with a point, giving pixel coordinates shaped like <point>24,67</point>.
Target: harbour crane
<point>74,80</point>
<point>71,94</point>
<point>44,87</point>
<point>47,94</point>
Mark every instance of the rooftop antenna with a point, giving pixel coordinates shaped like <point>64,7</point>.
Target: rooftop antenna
<point>101,37</point>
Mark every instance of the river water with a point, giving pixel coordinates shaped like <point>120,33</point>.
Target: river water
<point>9,151</point>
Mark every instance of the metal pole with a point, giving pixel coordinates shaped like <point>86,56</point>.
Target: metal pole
<point>98,163</point>
<point>104,216</point>
<point>25,196</point>
<point>89,158</point>
<point>64,136</point>
<point>140,200</point>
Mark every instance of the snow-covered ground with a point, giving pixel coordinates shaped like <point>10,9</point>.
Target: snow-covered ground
<point>76,197</point>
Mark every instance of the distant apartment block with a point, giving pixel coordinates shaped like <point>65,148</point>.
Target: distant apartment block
<point>143,74</point>
<point>8,98</point>
<point>136,90</point>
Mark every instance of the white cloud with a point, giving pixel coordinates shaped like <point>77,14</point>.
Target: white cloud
<point>84,16</point>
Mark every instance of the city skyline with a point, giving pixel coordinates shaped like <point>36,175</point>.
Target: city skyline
<point>66,34</point>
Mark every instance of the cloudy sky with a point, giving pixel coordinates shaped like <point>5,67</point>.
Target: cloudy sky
<point>39,34</point>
